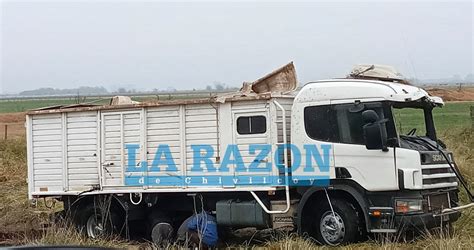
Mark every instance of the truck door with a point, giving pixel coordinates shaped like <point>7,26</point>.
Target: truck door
<point>372,169</point>
<point>120,135</point>
<point>251,127</point>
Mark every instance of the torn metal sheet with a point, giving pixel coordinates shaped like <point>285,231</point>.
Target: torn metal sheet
<point>122,100</point>
<point>377,72</point>
<point>281,80</point>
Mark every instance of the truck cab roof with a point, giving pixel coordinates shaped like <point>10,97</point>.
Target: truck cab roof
<point>357,89</point>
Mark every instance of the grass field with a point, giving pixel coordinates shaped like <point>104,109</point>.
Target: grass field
<point>452,115</point>
<point>21,224</point>
<point>10,106</point>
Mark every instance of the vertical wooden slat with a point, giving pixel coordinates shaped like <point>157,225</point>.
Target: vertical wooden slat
<point>100,141</point>
<point>29,154</point>
<point>143,145</point>
<point>182,133</point>
<point>122,158</point>
<point>64,149</point>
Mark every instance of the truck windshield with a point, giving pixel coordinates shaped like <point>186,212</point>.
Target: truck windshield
<point>415,120</point>
<point>408,119</point>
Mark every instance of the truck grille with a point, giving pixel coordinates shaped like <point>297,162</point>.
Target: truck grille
<point>437,202</point>
<point>438,176</point>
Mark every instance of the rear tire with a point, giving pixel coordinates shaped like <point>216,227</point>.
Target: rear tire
<point>95,223</point>
<point>162,234</point>
<point>161,228</point>
<point>339,228</point>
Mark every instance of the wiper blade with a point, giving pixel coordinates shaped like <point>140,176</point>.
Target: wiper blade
<point>429,142</point>
<point>419,141</point>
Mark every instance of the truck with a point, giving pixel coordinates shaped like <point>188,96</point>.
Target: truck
<point>326,160</point>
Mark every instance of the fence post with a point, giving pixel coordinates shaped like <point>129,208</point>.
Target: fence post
<point>472,116</point>
<point>6,132</point>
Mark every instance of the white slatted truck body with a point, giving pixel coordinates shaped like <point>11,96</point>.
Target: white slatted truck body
<point>86,149</point>
<point>157,163</point>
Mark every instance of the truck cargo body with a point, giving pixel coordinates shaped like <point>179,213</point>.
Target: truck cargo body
<point>87,151</point>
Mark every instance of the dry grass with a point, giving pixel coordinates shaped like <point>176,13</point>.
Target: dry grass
<point>425,242</point>
<point>64,234</point>
<point>20,224</point>
<point>461,142</point>
<point>17,217</point>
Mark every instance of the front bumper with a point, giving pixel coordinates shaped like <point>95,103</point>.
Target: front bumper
<point>425,220</point>
<point>387,222</point>
<point>440,207</point>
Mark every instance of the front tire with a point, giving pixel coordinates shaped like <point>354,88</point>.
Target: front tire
<point>340,227</point>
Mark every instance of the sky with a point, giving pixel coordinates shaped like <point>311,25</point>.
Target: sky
<point>148,45</point>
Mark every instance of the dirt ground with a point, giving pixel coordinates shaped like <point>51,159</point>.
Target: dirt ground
<point>453,94</point>
<point>14,123</point>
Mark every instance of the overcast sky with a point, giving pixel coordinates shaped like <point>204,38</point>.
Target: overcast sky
<point>147,45</point>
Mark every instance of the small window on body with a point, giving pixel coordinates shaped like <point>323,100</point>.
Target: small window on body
<point>251,125</point>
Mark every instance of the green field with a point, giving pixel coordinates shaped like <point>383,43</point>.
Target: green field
<point>453,115</point>
<point>11,106</point>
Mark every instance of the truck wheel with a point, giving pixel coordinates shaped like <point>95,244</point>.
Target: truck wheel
<point>95,227</point>
<point>161,228</point>
<point>340,227</point>
<point>95,223</point>
<point>162,234</point>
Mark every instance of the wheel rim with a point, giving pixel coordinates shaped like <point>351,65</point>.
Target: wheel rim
<point>94,227</point>
<point>161,233</point>
<point>332,228</point>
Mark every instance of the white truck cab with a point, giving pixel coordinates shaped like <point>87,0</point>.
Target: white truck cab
<point>394,177</point>
<point>330,112</point>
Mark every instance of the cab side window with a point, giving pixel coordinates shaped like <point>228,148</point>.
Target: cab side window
<point>342,123</point>
<point>320,124</point>
<point>350,123</point>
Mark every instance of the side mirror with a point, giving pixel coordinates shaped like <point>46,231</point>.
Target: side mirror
<point>374,135</point>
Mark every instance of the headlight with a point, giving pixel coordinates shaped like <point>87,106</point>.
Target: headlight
<point>408,206</point>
